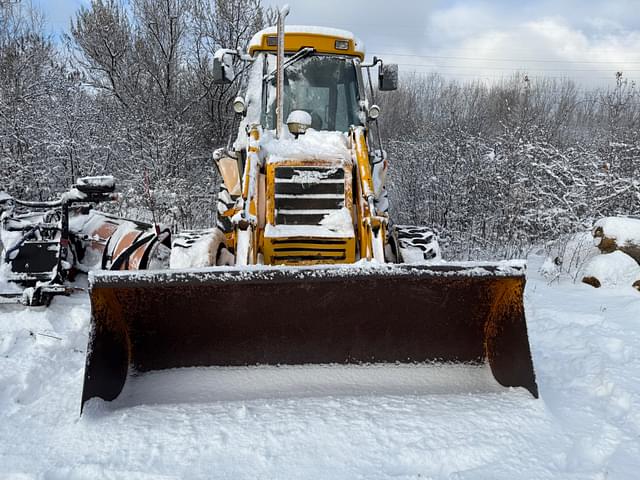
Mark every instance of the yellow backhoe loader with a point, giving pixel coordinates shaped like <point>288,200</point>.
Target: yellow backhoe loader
<point>304,265</point>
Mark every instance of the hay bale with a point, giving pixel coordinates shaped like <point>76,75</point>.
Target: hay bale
<point>593,281</point>
<point>618,233</point>
<point>616,269</point>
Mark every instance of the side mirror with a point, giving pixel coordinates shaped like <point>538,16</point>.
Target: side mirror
<point>388,77</point>
<point>223,67</point>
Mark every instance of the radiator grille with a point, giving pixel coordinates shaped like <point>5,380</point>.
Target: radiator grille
<point>305,195</point>
<point>296,251</point>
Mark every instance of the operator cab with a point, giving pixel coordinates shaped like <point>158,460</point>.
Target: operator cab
<point>320,76</point>
<point>300,190</point>
<point>325,87</point>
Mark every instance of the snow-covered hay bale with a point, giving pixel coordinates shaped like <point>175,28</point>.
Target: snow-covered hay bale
<point>618,233</point>
<point>616,269</point>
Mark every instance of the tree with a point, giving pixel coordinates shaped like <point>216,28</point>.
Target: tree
<point>150,66</point>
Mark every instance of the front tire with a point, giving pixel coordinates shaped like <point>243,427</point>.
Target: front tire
<point>414,244</point>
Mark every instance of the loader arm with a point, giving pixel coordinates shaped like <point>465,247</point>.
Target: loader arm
<point>246,226</point>
<point>371,226</point>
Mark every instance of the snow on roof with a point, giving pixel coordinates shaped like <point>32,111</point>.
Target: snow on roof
<point>256,40</point>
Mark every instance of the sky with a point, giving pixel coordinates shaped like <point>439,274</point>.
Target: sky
<point>586,40</point>
<point>59,12</point>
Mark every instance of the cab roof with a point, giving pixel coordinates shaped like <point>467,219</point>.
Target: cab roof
<point>324,40</point>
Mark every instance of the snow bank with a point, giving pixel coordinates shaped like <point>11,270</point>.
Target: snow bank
<point>616,269</point>
<point>568,256</point>
<point>346,423</point>
<point>201,254</point>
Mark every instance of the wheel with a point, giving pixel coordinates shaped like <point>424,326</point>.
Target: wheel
<point>225,203</point>
<point>199,248</point>
<point>414,244</point>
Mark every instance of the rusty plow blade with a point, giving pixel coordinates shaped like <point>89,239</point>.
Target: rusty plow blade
<point>459,313</point>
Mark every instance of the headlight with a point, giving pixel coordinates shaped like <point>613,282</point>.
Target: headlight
<point>374,112</point>
<point>239,105</point>
<point>298,122</point>
<point>342,44</point>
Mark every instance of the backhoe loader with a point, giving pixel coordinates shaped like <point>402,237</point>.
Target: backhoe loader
<point>304,265</point>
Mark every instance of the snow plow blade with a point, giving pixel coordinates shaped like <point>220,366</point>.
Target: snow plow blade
<point>458,313</point>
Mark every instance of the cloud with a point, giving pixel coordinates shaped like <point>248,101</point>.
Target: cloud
<point>460,22</point>
<point>382,24</point>
<point>469,40</point>
<point>588,40</point>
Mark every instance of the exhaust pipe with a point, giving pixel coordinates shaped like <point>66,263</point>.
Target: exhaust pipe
<point>282,14</point>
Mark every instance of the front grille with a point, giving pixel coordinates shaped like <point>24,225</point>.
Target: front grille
<point>306,195</point>
<point>293,251</point>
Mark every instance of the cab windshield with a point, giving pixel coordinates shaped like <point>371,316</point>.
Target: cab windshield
<point>326,87</point>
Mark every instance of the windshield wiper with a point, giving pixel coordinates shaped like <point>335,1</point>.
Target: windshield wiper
<point>303,52</point>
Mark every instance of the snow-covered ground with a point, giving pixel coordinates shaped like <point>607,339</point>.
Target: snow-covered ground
<point>382,422</point>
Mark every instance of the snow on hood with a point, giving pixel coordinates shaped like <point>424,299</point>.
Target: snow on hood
<point>313,145</point>
<point>337,224</point>
<point>338,221</point>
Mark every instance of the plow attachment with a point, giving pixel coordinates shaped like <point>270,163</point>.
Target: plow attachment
<point>449,313</point>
